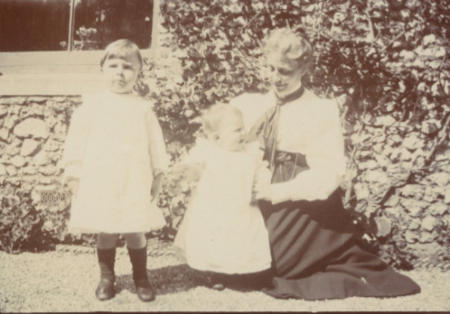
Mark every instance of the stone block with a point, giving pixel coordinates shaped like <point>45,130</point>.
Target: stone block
<point>31,127</point>
<point>412,190</point>
<point>383,226</point>
<point>427,237</point>
<point>447,196</point>
<point>431,193</point>
<point>361,191</point>
<point>11,170</point>
<point>10,121</point>
<point>378,176</point>
<point>17,101</point>
<point>414,224</point>
<point>412,142</point>
<point>439,178</point>
<point>430,127</point>
<point>33,109</point>
<point>2,170</point>
<point>47,181</point>
<point>18,161</point>
<point>384,121</point>
<point>3,111</point>
<point>395,155</point>
<point>369,164</point>
<point>395,139</point>
<point>429,223</point>
<point>4,135</point>
<point>53,146</point>
<point>413,207</point>
<point>60,132</point>
<point>37,99</point>
<point>439,208</point>
<point>47,170</point>
<point>395,211</point>
<point>30,147</point>
<point>411,236</point>
<point>29,170</point>
<point>392,201</point>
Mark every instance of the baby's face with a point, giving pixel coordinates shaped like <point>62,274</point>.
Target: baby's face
<point>231,133</point>
<point>121,74</point>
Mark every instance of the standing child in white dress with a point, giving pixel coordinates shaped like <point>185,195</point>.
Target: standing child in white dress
<point>114,159</point>
<point>223,231</point>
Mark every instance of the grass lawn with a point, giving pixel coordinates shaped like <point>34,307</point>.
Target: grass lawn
<point>64,280</point>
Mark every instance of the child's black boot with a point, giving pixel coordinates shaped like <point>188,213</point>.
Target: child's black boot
<point>105,289</point>
<point>138,258</point>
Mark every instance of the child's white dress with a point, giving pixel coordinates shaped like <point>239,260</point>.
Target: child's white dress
<point>114,144</point>
<point>222,231</point>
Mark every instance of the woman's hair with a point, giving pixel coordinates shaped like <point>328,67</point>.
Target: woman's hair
<point>121,48</point>
<point>214,117</point>
<point>290,45</point>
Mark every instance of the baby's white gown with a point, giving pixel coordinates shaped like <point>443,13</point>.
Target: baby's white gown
<point>221,231</point>
<point>113,145</point>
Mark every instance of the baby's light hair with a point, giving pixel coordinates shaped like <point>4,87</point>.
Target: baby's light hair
<point>213,117</point>
<point>288,44</point>
<point>122,49</point>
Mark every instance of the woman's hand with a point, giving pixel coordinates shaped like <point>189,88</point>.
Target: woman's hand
<point>274,193</point>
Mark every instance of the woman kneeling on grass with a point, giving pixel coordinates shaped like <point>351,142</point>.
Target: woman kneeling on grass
<point>314,249</point>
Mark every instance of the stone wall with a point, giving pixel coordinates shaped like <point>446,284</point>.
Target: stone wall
<point>402,173</point>
<point>402,181</point>
<point>32,134</point>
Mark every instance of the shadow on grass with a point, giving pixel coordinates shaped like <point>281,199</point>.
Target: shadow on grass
<point>178,278</point>
<point>167,280</point>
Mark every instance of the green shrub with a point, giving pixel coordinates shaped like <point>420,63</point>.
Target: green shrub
<point>20,222</point>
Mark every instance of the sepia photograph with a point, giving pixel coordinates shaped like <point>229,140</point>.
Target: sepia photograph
<point>224,156</point>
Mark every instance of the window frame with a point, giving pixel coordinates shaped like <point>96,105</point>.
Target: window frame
<point>61,72</point>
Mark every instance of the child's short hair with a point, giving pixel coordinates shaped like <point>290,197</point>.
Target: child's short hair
<point>121,48</point>
<point>213,117</point>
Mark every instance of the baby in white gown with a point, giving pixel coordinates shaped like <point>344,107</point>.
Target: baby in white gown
<point>223,231</point>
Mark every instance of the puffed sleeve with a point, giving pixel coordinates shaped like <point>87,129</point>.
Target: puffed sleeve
<point>157,146</point>
<point>325,158</point>
<point>76,140</point>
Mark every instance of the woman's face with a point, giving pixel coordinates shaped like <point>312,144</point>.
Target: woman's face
<point>286,75</point>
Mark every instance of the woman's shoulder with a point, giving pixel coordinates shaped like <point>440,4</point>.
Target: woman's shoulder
<point>321,105</point>
<point>247,101</point>
<point>320,100</point>
<point>253,105</point>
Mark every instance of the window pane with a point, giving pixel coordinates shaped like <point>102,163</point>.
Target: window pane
<point>98,22</point>
<point>30,25</point>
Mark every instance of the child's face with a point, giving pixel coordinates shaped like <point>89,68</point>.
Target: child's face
<point>121,74</point>
<point>231,134</point>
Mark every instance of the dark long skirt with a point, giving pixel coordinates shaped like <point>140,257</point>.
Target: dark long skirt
<point>315,253</point>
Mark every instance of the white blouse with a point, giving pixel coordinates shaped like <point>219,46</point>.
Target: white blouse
<point>309,125</point>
